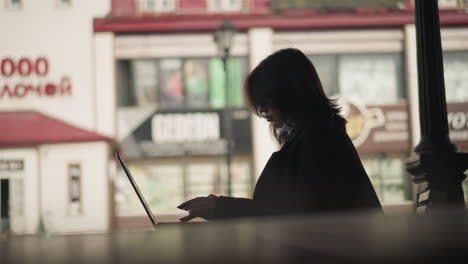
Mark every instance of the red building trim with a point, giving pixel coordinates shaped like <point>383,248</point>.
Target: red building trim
<point>284,22</point>
<point>26,128</point>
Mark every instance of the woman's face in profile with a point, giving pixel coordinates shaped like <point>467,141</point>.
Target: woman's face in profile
<point>272,115</point>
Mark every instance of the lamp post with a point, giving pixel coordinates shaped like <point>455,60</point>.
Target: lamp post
<point>436,161</point>
<point>223,37</point>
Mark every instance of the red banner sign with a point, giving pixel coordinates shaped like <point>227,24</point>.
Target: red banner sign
<point>25,67</point>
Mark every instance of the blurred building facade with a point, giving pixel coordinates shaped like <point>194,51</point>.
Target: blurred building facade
<point>147,75</point>
<point>56,129</point>
<point>365,53</point>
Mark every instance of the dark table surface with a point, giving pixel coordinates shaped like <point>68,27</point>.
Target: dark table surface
<point>334,238</point>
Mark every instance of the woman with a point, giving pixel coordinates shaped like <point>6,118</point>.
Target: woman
<point>317,168</point>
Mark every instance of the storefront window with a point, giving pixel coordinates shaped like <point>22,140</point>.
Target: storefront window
<point>225,5</point>
<point>161,185</point>
<point>241,179</point>
<point>196,82</point>
<point>217,84</point>
<point>126,95</point>
<point>157,5</point>
<point>169,183</point>
<point>326,66</point>
<point>369,78</point>
<point>456,76</point>
<point>364,81</point>
<point>203,179</point>
<point>171,85</point>
<point>177,84</point>
<point>388,176</point>
<point>145,81</point>
<point>237,68</point>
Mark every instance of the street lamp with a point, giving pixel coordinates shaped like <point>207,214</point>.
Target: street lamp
<point>223,37</point>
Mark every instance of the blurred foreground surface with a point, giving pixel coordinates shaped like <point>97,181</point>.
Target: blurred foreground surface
<point>359,238</point>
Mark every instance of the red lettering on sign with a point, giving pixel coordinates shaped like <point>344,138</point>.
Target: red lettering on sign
<point>37,89</point>
<point>65,86</point>
<point>7,67</point>
<point>24,67</point>
<point>6,89</point>
<point>41,66</point>
<point>20,90</point>
<point>50,89</point>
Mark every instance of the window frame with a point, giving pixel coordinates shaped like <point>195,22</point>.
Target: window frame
<point>14,6</point>
<point>225,8</point>
<point>401,94</point>
<point>70,176</point>
<point>62,4</point>
<point>447,56</point>
<point>158,7</point>
<point>378,177</point>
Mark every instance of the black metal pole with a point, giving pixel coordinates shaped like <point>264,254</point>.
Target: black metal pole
<point>436,162</point>
<point>432,102</point>
<point>227,123</point>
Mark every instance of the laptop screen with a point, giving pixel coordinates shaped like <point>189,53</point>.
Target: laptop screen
<point>137,190</point>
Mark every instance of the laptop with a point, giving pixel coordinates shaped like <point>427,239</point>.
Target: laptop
<point>137,190</point>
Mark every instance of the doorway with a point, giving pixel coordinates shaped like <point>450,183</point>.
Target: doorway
<point>4,205</point>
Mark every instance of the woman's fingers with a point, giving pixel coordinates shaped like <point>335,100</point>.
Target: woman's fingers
<point>199,207</point>
<point>189,202</point>
<point>187,218</point>
<point>195,212</point>
<point>197,202</point>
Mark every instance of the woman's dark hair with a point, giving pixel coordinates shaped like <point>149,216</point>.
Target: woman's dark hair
<point>287,80</point>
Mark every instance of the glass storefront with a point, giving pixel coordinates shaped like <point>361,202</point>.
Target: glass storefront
<point>375,78</point>
<point>374,85</point>
<point>456,76</point>
<point>166,183</point>
<point>388,176</point>
<point>181,83</point>
<point>157,96</point>
<point>456,91</point>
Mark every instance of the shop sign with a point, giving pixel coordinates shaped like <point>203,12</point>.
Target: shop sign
<point>185,127</point>
<point>188,133</point>
<point>384,128</point>
<point>458,124</point>
<point>12,165</point>
<point>376,128</point>
<point>24,76</point>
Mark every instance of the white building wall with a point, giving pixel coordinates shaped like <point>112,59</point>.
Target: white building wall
<point>342,41</point>
<point>260,46</point>
<point>64,36</point>
<point>28,221</point>
<point>174,45</point>
<point>106,100</point>
<point>94,159</point>
<point>412,82</point>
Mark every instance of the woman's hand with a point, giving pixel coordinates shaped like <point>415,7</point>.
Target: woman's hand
<point>203,207</point>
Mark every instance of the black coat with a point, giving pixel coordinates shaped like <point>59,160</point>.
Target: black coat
<point>316,170</point>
